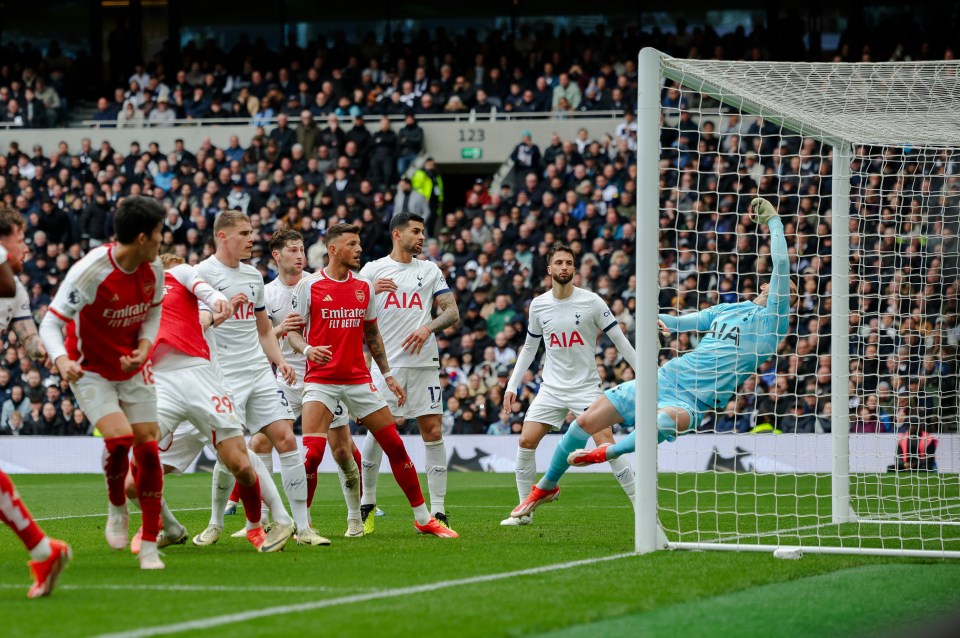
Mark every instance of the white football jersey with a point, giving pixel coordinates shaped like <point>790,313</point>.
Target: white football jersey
<point>279,298</point>
<point>402,311</point>
<point>15,308</point>
<point>569,329</point>
<point>238,342</point>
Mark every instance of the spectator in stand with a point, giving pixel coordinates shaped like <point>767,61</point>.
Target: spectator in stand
<point>409,143</point>
<point>428,182</point>
<point>105,116</point>
<point>130,116</point>
<point>525,156</point>
<point>162,115</point>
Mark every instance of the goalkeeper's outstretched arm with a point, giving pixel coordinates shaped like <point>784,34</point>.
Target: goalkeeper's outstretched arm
<point>699,321</point>
<point>778,295</point>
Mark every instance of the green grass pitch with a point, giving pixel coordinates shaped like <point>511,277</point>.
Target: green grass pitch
<point>397,583</point>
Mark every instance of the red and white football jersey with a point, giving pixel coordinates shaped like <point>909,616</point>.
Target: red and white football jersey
<point>104,307</point>
<point>335,312</point>
<point>180,330</point>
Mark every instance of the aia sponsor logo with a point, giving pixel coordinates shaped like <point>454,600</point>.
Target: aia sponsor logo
<point>403,300</point>
<point>566,340</point>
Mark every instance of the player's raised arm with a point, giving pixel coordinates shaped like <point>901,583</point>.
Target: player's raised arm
<point>778,295</point>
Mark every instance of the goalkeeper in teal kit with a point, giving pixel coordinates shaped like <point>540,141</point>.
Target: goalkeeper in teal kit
<point>738,338</point>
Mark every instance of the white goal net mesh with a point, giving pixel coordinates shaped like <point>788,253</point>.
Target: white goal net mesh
<point>758,466</point>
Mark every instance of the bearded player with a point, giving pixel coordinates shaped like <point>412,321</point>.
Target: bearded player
<point>407,289</point>
<point>568,320</point>
<point>340,314</point>
<point>286,248</point>
<point>738,338</point>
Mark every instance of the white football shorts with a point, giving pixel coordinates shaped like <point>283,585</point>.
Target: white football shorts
<point>422,385</point>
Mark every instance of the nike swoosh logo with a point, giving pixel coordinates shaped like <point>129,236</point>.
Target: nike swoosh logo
<point>221,289</point>
<point>545,321</point>
<point>296,483</point>
<point>276,310</point>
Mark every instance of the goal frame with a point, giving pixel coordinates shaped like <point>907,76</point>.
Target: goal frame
<point>651,73</point>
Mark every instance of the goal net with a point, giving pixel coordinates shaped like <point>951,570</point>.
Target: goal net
<point>846,439</point>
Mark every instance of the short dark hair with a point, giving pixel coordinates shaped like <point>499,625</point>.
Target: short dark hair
<point>10,220</point>
<point>136,215</point>
<point>337,230</point>
<point>284,237</point>
<point>559,248</point>
<point>402,220</point>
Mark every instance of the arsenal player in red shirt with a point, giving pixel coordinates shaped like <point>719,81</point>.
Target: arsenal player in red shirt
<point>109,307</point>
<point>340,314</point>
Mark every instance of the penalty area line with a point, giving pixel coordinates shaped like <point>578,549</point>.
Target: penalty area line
<point>227,619</point>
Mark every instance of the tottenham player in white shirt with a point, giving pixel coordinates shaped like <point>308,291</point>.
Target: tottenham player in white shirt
<point>286,248</point>
<point>246,347</point>
<point>568,319</point>
<point>195,408</point>
<point>406,289</point>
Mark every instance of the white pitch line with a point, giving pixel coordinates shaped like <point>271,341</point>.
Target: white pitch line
<point>227,619</point>
<point>132,513</point>
<point>202,588</point>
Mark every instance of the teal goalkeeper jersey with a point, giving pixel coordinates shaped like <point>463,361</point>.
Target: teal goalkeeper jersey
<point>739,337</point>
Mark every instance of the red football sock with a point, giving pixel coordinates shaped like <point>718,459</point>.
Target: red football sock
<point>250,495</point>
<point>116,463</point>
<point>316,445</point>
<point>15,514</point>
<point>149,487</point>
<point>235,494</point>
<point>359,461</point>
<point>400,463</point>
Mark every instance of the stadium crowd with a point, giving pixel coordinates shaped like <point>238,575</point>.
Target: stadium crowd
<point>532,69</point>
<point>491,245</point>
<point>904,278</point>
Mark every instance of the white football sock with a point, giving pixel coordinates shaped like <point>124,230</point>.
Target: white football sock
<point>170,521</point>
<point>223,482</point>
<point>436,469</point>
<point>294,476</point>
<point>267,460</point>
<point>421,514</point>
<point>624,473</point>
<point>350,484</point>
<point>526,471</point>
<point>41,551</point>
<point>268,491</point>
<point>372,455</point>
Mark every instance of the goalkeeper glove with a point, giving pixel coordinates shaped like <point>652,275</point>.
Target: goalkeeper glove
<point>763,211</point>
<point>663,335</point>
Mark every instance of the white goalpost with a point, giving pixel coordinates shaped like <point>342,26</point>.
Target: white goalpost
<point>848,440</point>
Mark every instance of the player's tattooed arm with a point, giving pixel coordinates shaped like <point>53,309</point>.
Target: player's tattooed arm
<point>447,313</point>
<point>26,332</point>
<point>371,334</point>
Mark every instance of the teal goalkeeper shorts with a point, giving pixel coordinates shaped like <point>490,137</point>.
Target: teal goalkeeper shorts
<point>624,400</point>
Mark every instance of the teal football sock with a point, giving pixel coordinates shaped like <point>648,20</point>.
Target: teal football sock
<point>574,439</point>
